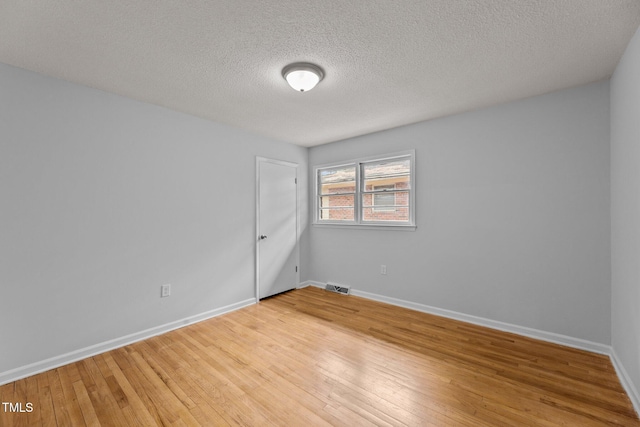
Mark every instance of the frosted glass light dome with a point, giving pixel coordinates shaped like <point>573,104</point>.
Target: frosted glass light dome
<point>302,77</point>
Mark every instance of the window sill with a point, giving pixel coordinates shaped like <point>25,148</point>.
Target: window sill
<point>398,227</point>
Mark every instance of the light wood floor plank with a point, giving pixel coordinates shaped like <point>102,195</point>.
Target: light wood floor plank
<point>60,403</point>
<point>70,399</point>
<point>20,389</point>
<point>33,417</point>
<point>102,398</point>
<point>134,406</point>
<point>47,414</point>
<point>88,413</point>
<point>7,395</point>
<point>314,358</point>
<point>175,366</point>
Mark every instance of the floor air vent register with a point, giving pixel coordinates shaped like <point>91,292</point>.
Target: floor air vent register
<point>339,289</point>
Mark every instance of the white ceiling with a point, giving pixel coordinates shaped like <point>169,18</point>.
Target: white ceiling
<point>387,63</point>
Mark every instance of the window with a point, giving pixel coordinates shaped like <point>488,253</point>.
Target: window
<point>377,192</point>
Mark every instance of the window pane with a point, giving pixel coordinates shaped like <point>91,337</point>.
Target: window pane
<point>396,207</point>
<point>394,173</point>
<point>398,214</point>
<point>337,207</point>
<point>337,180</point>
<point>335,201</point>
<point>336,214</point>
<point>382,200</point>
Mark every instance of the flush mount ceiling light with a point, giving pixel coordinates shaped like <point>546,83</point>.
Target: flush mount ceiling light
<point>302,76</point>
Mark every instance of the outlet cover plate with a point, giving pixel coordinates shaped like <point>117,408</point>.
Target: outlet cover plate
<point>165,291</point>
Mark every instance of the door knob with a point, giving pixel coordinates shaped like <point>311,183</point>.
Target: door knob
<point>262,237</point>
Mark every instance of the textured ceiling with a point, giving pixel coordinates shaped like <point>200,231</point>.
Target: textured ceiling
<point>387,63</point>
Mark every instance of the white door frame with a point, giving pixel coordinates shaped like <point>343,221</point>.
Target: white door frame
<point>257,229</point>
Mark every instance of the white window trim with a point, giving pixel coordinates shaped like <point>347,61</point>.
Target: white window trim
<point>358,223</point>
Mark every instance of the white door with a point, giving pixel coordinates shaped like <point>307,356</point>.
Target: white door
<point>277,224</point>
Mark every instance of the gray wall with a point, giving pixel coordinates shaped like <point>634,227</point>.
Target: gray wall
<point>103,200</point>
<point>512,213</point>
<point>625,211</point>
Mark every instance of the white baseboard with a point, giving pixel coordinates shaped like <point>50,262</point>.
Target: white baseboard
<point>481,321</point>
<point>625,380</point>
<point>309,283</point>
<point>83,353</point>
<point>493,324</point>
<point>312,283</point>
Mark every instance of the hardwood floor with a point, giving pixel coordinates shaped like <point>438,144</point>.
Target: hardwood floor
<point>312,358</point>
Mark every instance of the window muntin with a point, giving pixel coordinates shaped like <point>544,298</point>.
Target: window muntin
<point>367,192</point>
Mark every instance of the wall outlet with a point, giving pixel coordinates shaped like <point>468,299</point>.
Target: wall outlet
<point>383,269</point>
<point>165,291</point>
